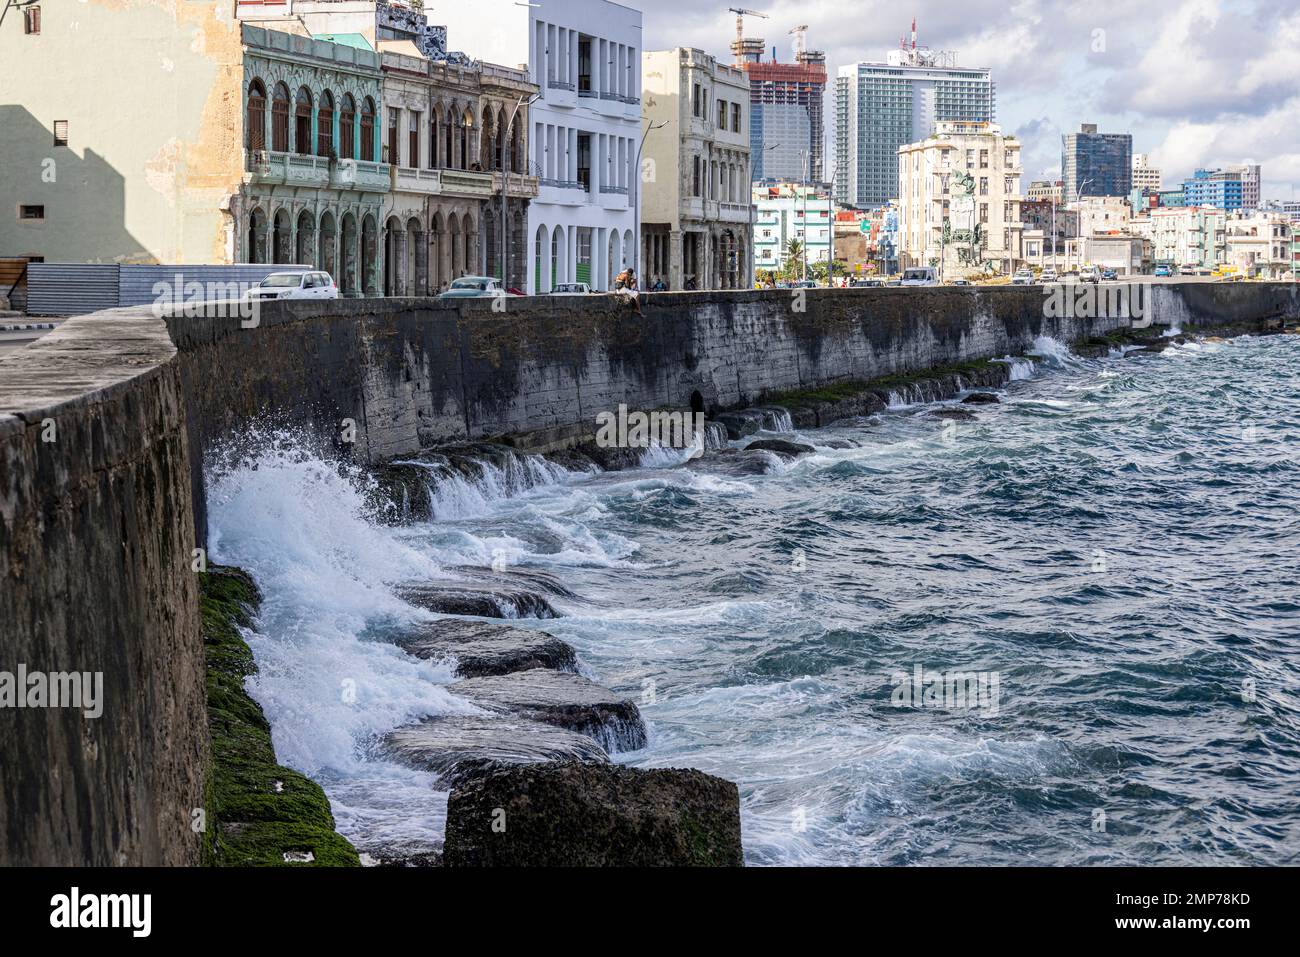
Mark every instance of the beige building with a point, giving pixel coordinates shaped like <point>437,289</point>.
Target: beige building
<point>695,179</point>
<point>1259,244</point>
<point>1145,176</point>
<point>959,195</point>
<point>1101,214</point>
<point>134,158</point>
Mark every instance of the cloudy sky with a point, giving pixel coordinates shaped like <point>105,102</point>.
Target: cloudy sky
<point>1197,82</point>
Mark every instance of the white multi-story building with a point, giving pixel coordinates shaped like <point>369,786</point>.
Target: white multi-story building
<point>585,56</point>
<point>1145,176</point>
<point>959,200</point>
<point>695,207</point>
<point>881,107</point>
<point>791,211</point>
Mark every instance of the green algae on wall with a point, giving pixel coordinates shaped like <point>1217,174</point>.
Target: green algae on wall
<point>259,811</point>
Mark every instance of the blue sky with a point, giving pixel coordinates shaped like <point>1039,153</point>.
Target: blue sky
<point>1197,82</point>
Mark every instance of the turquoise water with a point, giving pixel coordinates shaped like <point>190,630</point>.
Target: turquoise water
<point>1113,548</point>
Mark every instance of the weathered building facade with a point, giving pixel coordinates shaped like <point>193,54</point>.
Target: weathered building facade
<point>310,133</point>
<point>456,135</point>
<point>696,214</point>
<point>314,187</point>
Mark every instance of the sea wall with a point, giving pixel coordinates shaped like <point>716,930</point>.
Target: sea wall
<point>96,532</point>
<point>383,378</point>
<point>105,424</point>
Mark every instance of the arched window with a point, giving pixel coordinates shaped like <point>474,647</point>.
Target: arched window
<point>465,135</point>
<point>347,127</point>
<point>255,120</point>
<point>302,123</point>
<point>325,125</point>
<point>368,130</point>
<point>280,119</point>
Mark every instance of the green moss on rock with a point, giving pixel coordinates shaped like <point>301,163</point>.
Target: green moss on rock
<point>259,811</point>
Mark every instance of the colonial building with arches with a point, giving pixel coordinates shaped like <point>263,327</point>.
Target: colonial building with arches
<point>456,136</point>
<point>315,176</point>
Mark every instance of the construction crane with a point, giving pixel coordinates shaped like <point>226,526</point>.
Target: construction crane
<point>741,13</point>
<point>800,34</point>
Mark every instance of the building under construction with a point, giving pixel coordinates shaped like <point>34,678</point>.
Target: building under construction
<point>786,127</point>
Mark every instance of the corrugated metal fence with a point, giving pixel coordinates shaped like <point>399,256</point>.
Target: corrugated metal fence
<point>72,289</point>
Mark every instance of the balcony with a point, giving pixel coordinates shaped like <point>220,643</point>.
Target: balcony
<point>287,169</point>
<point>269,168</point>
<point>521,186</point>
<point>560,93</point>
<point>612,197</point>
<point>734,212</point>
<point>447,182</point>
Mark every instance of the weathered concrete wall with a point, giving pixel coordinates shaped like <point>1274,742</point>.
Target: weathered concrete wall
<point>415,373</point>
<point>95,537</point>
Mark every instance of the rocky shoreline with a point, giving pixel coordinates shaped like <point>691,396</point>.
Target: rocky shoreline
<point>530,774</point>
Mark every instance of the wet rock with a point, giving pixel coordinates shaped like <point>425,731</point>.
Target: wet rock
<point>741,422</point>
<point>512,577</point>
<point>399,857</point>
<point>459,747</point>
<point>840,444</point>
<point>589,815</point>
<point>568,701</point>
<point>780,447</point>
<point>981,398</point>
<point>737,462</point>
<point>464,599</point>
<point>956,415</point>
<point>481,648</point>
<point>610,458</point>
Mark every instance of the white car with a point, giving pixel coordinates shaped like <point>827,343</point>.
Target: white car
<point>1023,277</point>
<point>1049,275</point>
<point>571,289</point>
<point>295,285</point>
<point>920,276</point>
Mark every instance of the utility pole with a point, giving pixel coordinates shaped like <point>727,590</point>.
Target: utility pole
<point>505,191</point>
<point>807,155</point>
<point>636,200</point>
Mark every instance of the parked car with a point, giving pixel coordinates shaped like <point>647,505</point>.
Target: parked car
<point>1049,274</point>
<point>571,289</point>
<point>1023,277</point>
<point>866,283</point>
<point>1109,274</point>
<point>473,287</point>
<point>920,276</point>
<point>1090,274</point>
<point>295,285</point>
<point>961,282</point>
<point>1163,271</point>
<point>804,284</point>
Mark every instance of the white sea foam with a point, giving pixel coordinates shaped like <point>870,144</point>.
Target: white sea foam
<point>299,526</point>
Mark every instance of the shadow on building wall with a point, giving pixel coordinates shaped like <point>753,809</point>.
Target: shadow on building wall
<point>84,198</point>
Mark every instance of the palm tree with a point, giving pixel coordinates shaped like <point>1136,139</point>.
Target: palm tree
<point>793,258</point>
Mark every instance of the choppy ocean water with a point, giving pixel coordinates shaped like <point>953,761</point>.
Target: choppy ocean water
<point>1112,551</point>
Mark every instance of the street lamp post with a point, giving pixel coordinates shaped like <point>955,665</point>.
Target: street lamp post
<point>636,199</point>
<point>505,188</point>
